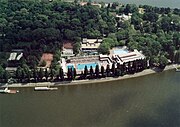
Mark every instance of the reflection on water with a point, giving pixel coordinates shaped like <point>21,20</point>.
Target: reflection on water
<point>149,101</point>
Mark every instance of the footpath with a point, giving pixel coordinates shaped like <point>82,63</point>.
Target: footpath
<point>87,81</point>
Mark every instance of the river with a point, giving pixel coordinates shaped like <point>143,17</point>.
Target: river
<point>148,101</point>
<point>158,3</point>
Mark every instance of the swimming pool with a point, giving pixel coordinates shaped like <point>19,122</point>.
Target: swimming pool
<point>82,66</point>
<point>120,51</point>
<point>70,66</point>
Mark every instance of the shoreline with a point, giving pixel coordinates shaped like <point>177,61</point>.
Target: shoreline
<point>87,81</point>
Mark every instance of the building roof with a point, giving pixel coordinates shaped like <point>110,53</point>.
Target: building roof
<point>48,57</point>
<point>90,46</point>
<point>15,56</point>
<point>68,44</point>
<point>90,43</point>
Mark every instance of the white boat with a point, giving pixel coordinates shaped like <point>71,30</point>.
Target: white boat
<point>177,70</point>
<point>6,90</point>
<point>44,88</point>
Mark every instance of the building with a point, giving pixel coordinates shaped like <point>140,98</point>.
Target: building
<point>93,4</point>
<point>67,49</point>
<point>48,58</point>
<point>124,56</point>
<point>90,45</point>
<point>124,17</point>
<point>117,55</point>
<point>141,10</point>
<point>14,60</point>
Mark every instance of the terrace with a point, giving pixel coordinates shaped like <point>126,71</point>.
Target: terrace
<point>90,45</point>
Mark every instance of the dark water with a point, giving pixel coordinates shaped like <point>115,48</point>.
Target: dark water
<point>149,101</point>
<point>158,3</point>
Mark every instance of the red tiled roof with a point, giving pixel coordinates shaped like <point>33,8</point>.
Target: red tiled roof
<point>68,44</point>
<point>48,57</point>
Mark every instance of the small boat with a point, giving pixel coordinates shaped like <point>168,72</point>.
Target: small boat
<point>44,88</point>
<point>6,90</point>
<point>177,70</point>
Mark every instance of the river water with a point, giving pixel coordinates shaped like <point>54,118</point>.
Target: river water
<point>158,3</point>
<point>148,101</point>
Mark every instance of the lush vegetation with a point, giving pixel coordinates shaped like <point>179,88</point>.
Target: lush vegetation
<point>38,27</point>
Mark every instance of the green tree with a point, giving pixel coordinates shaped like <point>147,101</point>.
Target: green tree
<point>46,74</point>
<point>18,73</point>
<point>113,69</point>
<point>130,8</point>
<point>177,57</point>
<point>61,74</point>
<point>6,76</point>
<point>108,70</point>
<point>74,73</point>
<point>35,74</point>
<point>1,73</point>
<point>85,71</point>
<point>91,72</point>
<point>52,73</point>
<point>76,48</point>
<point>102,71</point>
<point>41,74</point>
<point>163,61</point>
<point>97,71</point>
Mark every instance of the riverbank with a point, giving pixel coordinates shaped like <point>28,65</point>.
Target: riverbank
<point>78,82</point>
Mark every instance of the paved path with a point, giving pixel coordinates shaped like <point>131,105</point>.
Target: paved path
<point>77,82</point>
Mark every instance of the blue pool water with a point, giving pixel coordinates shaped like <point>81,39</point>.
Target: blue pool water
<point>82,66</point>
<point>120,51</point>
<point>70,66</point>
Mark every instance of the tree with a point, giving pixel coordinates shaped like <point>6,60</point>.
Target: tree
<point>150,16</point>
<point>118,69</point>
<point>177,57</point>
<point>104,48</point>
<point>113,69</point>
<point>74,73</point>
<point>46,74</point>
<point>97,71</point>
<point>130,8</point>
<point>41,74</point>
<point>102,71</point>
<point>22,75</point>
<point>35,75</point>
<point>18,73</point>
<point>52,73</point>
<point>43,64</point>
<point>114,5</point>
<point>1,73</point>
<point>61,74</point>
<point>108,70</point>
<point>91,72</point>
<point>6,76</point>
<point>85,71</point>
<point>27,73</point>
<point>76,48</point>
<point>163,61</point>
<point>69,74</point>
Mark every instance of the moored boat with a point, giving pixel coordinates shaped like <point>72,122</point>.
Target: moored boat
<point>44,88</point>
<point>177,70</point>
<point>6,90</point>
